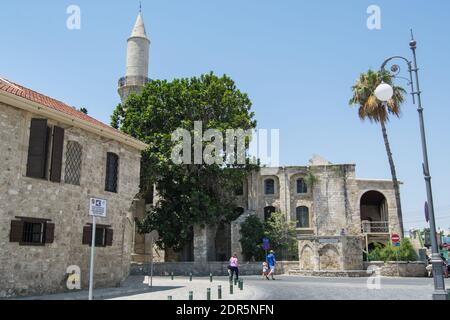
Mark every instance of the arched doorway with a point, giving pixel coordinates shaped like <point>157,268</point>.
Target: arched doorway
<point>223,241</point>
<point>374,212</point>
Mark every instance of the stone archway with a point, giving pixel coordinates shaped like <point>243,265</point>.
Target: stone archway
<point>307,258</point>
<point>374,212</point>
<point>329,258</point>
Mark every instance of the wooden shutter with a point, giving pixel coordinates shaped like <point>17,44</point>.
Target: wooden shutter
<point>37,149</point>
<point>57,154</point>
<point>49,232</point>
<point>87,235</point>
<point>16,232</point>
<point>109,237</point>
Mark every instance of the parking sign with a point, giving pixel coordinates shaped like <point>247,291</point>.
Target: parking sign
<point>97,207</point>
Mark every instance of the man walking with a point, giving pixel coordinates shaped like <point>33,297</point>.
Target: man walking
<point>271,262</point>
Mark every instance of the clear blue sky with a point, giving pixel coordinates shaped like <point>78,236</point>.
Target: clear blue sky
<point>296,59</point>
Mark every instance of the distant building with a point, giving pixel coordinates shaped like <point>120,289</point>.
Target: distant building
<point>53,159</point>
<point>338,218</point>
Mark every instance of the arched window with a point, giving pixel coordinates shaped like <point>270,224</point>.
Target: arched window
<point>301,186</point>
<point>268,212</point>
<point>237,213</point>
<point>269,186</point>
<point>302,214</point>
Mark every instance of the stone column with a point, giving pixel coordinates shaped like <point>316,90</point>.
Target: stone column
<point>200,244</point>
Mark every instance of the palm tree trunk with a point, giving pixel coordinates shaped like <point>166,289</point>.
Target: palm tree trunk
<point>394,178</point>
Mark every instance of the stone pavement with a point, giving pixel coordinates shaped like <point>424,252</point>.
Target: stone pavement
<point>137,288</point>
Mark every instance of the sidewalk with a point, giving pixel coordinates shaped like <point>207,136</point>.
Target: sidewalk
<point>137,288</point>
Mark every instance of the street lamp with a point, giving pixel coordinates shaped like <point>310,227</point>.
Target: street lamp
<point>384,92</point>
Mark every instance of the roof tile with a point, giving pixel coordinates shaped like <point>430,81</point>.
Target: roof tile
<point>28,94</point>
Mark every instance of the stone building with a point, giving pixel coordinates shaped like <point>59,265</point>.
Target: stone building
<point>338,217</point>
<point>53,160</point>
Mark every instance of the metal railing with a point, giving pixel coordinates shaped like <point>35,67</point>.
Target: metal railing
<point>133,81</point>
<point>375,226</point>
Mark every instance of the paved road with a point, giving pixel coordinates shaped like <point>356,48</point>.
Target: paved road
<point>312,288</point>
<point>255,288</point>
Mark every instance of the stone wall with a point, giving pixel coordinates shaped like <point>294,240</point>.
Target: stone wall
<point>330,253</point>
<point>399,269</point>
<point>28,270</point>
<point>204,269</point>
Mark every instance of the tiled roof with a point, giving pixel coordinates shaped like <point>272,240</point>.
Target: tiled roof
<point>20,91</point>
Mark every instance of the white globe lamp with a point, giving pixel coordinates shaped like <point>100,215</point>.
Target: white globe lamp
<point>384,92</point>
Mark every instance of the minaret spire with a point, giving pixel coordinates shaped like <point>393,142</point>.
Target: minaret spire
<point>137,60</point>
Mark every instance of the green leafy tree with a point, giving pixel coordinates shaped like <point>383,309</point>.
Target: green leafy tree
<point>376,111</point>
<point>190,194</point>
<point>281,233</point>
<point>252,233</point>
<point>389,252</point>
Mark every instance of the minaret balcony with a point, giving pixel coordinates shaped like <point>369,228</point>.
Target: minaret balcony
<point>133,81</point>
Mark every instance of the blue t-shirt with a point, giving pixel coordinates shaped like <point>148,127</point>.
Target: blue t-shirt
<point>271,259</point>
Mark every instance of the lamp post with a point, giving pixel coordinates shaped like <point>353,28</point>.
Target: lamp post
<point>384,93</point>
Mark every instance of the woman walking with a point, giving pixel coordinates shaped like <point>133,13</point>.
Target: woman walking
<point>234,267</point>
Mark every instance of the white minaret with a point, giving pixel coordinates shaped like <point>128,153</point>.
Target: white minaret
<point>137,61</point>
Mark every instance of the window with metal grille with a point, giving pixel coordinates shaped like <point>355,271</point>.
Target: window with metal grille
<point>112,172</point>
<point>33,233</point>
<point>103,236</point>
<point>73,163</point>
<point>301,186</point>
<point>100,237</point>
<point>302,217</point>
<point>269,186</point>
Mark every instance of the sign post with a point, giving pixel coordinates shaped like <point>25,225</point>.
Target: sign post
<point>97,208</point>
<point>266,245</point>
<point>396,243</point>
<point>395,240</point>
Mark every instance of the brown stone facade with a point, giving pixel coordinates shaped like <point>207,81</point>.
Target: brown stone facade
<point>37,269</point>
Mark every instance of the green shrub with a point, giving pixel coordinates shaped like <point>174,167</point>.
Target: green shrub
<point>389,252</point>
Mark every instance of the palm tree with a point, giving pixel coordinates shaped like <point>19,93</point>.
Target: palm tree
<point>376,111</point>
